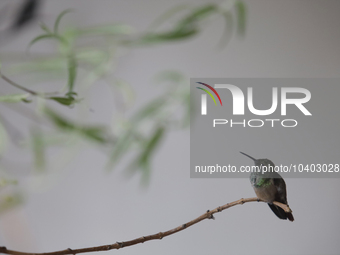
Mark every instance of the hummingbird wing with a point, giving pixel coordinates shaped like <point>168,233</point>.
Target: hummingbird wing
<point>279,212</point>
<point>281,196</point>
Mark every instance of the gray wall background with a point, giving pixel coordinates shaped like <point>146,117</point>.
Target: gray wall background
<point>88,206</point>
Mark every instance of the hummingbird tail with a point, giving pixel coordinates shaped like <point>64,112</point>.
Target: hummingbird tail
<point>290,216</point>
<point>280,213</point>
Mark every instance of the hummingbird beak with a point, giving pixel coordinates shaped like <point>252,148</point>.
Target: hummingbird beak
<point>248,156</point>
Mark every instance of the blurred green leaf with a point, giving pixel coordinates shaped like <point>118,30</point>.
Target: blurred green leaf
<point>58,120</point>
<point>6,182</point>
<point>113,29</point>
<point>67,47</point>
<point>57,22</point>
<point>64,100</point>
<point>72,72</point>
<point>149,110</point>
<point>71,94</point>
<point>92,56</point>
<point>146,172</point>
<point>47,36</point>
<point>94,133</point>
<point>126,91</point>
<point>45,28</point>
<point>153,38</point>
<point>79,54</point>
<point>150,146</point>
<point>126,139</point>
<point>38,147</point>
<point>14,98</point>
<point>175,77</point>
<point>188,110</point>
<point>228,29</point>
<point>143,160</point>
<point>167,15</point>
<point>121,147</point>
<point>27,101</point>
<point>241,17</point>
<point>3,137</point>
<point>196,15</point>
<point>184,29</point>
<point>53,64</point>
<point>9,201</point>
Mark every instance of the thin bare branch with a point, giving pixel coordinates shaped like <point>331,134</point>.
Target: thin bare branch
<point>34,93</point>
<point>208,215</point>
<point>17,85</point>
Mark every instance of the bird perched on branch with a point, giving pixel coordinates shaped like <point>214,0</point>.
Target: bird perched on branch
<point>270,186</point>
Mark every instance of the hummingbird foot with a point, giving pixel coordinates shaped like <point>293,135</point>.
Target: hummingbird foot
<point>211,216</point>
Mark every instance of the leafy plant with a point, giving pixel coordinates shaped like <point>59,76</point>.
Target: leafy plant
<point>78,65</point>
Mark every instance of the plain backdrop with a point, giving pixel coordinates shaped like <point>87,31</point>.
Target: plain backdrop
<point>88,206</point>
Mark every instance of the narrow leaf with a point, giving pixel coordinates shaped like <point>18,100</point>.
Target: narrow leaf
<point>4,182</point>
<point>64,100</point>
<point>58,120</point>
<point>38,147</point>
<point>197,15</point>
<point>7,202</point>
<point>14,98</point>
<point>188,110</point>
<point>57,22</point>
<point>167,15</point>
<point>121,147</point>
<point>3,137</point>
<point>45,28</point>
<point>72,73</point>
<point>152,143</point>
<point>114,29</point>
<point>143,160</point>
<point>228,29</point>
<point>153,38</point>
<point>241,17</point>
<point>94,133</point>
<point>46,36</point>
<point>149,110</point>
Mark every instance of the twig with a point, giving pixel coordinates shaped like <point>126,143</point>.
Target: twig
<point>34,93</point>
<point>17,85</point>
<point>208,215</point>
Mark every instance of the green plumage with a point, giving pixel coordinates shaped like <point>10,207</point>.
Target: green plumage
<point>262,182</point>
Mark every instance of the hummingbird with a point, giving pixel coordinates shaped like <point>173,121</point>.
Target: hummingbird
<point>270,186</point>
